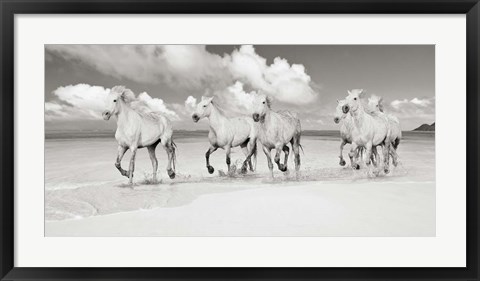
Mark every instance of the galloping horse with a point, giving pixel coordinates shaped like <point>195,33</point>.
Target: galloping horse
<point>368,130</point>
<point>375,105</point>
<point>277,129</point>
<point>226,132</point>
<point>137,127</point>
<point>346,127</point>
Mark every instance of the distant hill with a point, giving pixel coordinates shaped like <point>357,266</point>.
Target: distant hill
<point>426,127</point>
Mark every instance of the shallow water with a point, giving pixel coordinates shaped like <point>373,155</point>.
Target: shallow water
<point>81,180</point>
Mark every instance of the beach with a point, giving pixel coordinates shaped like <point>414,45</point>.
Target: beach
<point>85,195</point>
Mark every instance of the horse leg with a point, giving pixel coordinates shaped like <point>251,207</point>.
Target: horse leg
<point>132,165</point>
<point>359,151</point>
<point>267,151</point>
<point>296,151</point>
<point>353,156</point>
<point>369,153</point>
<point>207,157</point>
<point>118,162</point>
<point>394,155</point>
<point>374,156</point>
<point>342,161</point>
<point>153,158</point>
<point>247,158</point>
<point>170,149</point>
<point>286,150</point>
<point>252,146</point>
<point>386,157</point>
<point>278,150</point>
<point>249,149</point>
<point>228,150</point>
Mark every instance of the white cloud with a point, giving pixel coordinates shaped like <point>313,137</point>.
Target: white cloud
<point>414,108</point>
<point>235,97</point>
<point>157,104</point>
<point>193,67</point>
<point>191,102</point>
<point>287,83</point>
<point>86,102</point>
<point>421,102</point>
<point>80,101</point>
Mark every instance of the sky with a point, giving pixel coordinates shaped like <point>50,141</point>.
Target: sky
<point>307,79</point>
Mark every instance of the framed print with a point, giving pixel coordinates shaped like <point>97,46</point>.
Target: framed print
<point>244,140</point>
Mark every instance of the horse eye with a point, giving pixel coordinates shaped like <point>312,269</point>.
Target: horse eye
<point>114,100</point>
<point>205,106</point>
<point>263,102</point>
<point>354,98</point>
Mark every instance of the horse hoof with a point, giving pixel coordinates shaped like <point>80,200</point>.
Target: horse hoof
<point>171,174</point>
<point>210,169</point>
<point>386,170</point>
<point>357,167</point>
<point>283,168</point>
<point>243,170</point>
<point>342,162</point>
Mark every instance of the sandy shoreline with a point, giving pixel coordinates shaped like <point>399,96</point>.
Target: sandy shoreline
<point>364,209</point>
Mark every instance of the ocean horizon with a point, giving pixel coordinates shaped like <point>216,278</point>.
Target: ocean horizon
<point>179,134</point>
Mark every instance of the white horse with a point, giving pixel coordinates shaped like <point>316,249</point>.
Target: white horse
<point>375,105</point>
<point>277,129</point>
<point>137,127</point>
<point>368,130</point>
<point>346,127</point>
<point>226,132</point>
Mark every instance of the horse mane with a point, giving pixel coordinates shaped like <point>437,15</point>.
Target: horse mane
<point>125,94</point>
<point>378,100</point>
<point>220,109</point>
<point>269,102</point>
<point>139,106</point>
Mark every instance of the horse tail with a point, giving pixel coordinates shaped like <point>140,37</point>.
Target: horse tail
<point>301,147</point>
<point>299,144</point>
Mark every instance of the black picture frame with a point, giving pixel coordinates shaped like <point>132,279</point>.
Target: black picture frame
<point>10,7</point>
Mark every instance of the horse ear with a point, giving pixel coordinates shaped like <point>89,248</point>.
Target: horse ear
<point>349,92</point>
<point>123,96</point>
<point>380,104</point>
<point>208,99</point>
<point>338,101</point>
<point>361,94</point>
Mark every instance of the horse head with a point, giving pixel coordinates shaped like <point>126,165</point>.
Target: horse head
<point>353,101</point>
<point>117,94</point>
<point>339,115</point>
<point>261,105</point>
<point>203,109</point>
<point>375,103</point>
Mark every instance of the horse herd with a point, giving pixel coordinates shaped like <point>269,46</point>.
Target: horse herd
<point>363,126</point>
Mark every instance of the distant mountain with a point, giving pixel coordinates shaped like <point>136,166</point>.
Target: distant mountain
<point>426,127</point>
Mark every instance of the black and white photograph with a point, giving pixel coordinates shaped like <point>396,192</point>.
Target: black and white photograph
<point>240,140</point>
